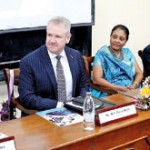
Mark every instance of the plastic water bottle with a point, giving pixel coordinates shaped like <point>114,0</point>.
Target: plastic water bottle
<point>89,112</point>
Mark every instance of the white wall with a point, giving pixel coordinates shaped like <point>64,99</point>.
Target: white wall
<point>135,14</point>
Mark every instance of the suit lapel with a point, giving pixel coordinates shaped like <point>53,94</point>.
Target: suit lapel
<point>72,65</point>
<point>47,64</point>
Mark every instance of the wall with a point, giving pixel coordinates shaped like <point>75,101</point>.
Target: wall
<point>135,14</point>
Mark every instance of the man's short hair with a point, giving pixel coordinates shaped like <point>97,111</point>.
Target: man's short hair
<point>61,20</point>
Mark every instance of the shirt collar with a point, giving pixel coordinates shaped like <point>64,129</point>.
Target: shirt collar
<point>53,56</point>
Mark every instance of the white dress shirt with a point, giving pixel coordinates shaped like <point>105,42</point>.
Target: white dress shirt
<point>67,72</point>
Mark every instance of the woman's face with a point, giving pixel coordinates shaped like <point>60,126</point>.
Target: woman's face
<point>118,39</point>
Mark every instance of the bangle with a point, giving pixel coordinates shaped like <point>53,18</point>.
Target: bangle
<point>136,83</point>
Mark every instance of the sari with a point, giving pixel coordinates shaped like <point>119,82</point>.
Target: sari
<point>116,70</point>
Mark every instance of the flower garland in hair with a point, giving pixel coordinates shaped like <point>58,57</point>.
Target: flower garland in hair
<point>143,100</point>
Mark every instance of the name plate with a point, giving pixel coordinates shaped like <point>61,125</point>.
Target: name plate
<point>116,113</point>
<point>7,143</point>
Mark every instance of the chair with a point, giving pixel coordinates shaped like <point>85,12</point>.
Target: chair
<point>11,76</point>
<point>88,69</point>
<point>140,53</point>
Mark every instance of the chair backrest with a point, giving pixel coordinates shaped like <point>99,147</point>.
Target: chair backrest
<point>16,73</point>
<point>88,65</point>
<point>11,76</point>
<point>88,60</point>
<point>140,53</point>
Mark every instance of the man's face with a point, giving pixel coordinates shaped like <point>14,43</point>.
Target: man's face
<point>56,38</point>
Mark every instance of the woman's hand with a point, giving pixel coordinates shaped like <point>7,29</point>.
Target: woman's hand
<point>123,89</point>
<point>131,87</point>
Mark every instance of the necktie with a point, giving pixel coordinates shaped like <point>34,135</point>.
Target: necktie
<point>61,85</point>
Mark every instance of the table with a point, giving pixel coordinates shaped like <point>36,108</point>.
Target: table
<point>36,133</point>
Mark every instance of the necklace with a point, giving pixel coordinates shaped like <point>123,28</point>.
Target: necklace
<point>116,57</point>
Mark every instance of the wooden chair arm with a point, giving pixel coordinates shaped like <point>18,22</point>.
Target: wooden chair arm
<point>109,91</point>
<point>16,103</point>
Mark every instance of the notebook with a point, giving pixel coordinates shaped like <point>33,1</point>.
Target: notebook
<point>77,103</point>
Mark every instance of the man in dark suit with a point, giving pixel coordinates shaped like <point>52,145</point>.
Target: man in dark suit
<point>146,60</point>
<point>37,80</point>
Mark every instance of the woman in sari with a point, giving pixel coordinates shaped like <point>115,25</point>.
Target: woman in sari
<point>115,67</point>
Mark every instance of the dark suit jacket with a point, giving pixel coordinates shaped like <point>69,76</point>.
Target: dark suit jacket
<point>37,82</point>
<point>146,57</point>
<point>146,60</point>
